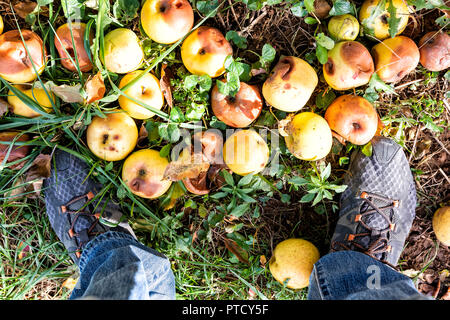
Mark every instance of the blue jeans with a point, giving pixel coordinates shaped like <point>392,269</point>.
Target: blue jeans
<point>115,266</point>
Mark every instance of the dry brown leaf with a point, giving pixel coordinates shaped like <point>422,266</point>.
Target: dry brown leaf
<point>263,260</point>
<point>235,249</point>
<point>24,8</point>
<point>39,170</point>
<point>166,75</point>
<point>4,107</point>
<point>69,94</point>
<point>142,137</point>
<point>186,168</point>
<point>95,88</point>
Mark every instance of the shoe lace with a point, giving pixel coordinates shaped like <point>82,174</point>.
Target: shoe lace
<point>83,236</point>
<point>379,245</point>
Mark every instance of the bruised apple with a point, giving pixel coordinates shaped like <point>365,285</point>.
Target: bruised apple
<point>66,47</point>
<point>374,17</point>
<point>112,138</point>
<point>245,152</point>
<point>395,58</point>
<point>146,90</point>
<point>123,52</point>
<point>167,21</point>
<point>353,118</point>
<point>349,65</point>
<point>143,173</point>
<point>16,65</point>
<point>307,135</point>
<point>435,51</point>
<point>290,84</point>
<point>16,152</point>
<point>204,52</point>
<point>238,111</point>
<point>37,94</point>
<point>343,27</point>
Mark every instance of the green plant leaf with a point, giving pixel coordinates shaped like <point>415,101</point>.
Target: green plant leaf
<point>393,21</point>
<point>341,7</point>
<point>207,7</point>
<point>307,197</point>
<point>240,210</point>
<point>299,9</point>
<point>234,37</point>
<point>126,10</point>
<point>367,149</point>
<point>325,41</point>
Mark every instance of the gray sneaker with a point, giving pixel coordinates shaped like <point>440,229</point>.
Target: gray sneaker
<point>76,211</point>
<point>378,207</point>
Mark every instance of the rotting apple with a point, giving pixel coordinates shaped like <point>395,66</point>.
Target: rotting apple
<point>16,66</point>
<point>39,95</point>
<point>375,19</point>
<point>290,84</point>
<point>66,47</point>
<point>307,135</point>
<point>146,90</point>
<point>112,138</point>
<point>17,152</point>
<point>344,27</point>
<point>321,9</point>
<point>204,52</point>
<point>167,21</point>
<point>353,118</point>
<point>349,65</point>
<point>435,51</point>
<point>292,262</point>
<point>245,152</point>
<point>441,225</point>
<point>238,111</point>
<point>143,173</point>
<point>123,52</point>
<point>395,58</point>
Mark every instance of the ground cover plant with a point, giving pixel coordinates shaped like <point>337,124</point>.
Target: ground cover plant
<point>219,224</point>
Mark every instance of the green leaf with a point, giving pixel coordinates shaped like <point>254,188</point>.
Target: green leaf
<point>323,100</point>
<point>393,21</point>
<point>219,195</point>
<point>367,149</point>
<point>322,54</point>
<point>73,9</point>
<point>240,210</point>
<point>377,85</point>
<point>318,198</point>
<point>311,20</point>
<point>341,7</point>
<point>298,181</point>
<point>164,152</point>
<point>245,180</point>
<point>325,41</point>
<point>206,7</point>
<point>239,41</point>
<point>126,10</point>
<point>268,53</point>
<point>307,197</point>
<point>228,177</point>
<point>325,174</point>
<point>299,9</point>
<point>309,4</point>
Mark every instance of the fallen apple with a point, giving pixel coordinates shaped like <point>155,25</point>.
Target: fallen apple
<point>441,225</point>
<point>66,47</point>
<point>167,21</point>
<point>123,52</point>
<point>321,9</point>
<point>353,118</point>
<point>343,27</point>
<point>1,25</point>
<point>143,173</point>
<point>290,84</point>
<point>239,111</point>
<point>307,135</point>
<point>292,262</point>
<point>16,66</point>
<point>204,52</point>
<point>16,152</point>
<point>245,152</point>
<point>349,65</point>
<point>146,90</point>
<point>395,58</point>
<point>39,95</point>
<point>374,17</point>
<point>112,138</point>
<point>435,51</point>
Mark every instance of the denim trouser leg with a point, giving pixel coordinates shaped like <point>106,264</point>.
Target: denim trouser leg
<point>353,275</point>
<point>115,266</point>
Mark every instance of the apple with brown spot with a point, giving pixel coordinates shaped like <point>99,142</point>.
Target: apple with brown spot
<point>435,51</point>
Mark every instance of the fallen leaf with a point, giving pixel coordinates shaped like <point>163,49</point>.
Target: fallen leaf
<point>166,75</point>
<point>186,168</point>
<point>263,261</point>
<point>17,192</point>
<point>39,170</point>
<point>24,8</point>
<point>69,94</point>
<point>4,107</point>
<point>24,250</point>
<point>235,249</point>
<point>70,283</point>
<point>143,136</point>
<point>95,88</point>
<point>17,152</point>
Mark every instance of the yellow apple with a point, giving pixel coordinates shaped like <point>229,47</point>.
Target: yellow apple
<point>290,84</point>
<point>167,21</point>
<point>37,94</point>
<point>349,65</point>
<point>293,261</point>
<point>245,152</point>
<point>143,173</point>
<point>204,52</point>
<point>307,135</point>
<point>123,52</point>
<point>395,58</point>
<point>1,25</point>
<point>344,27</point>
<point>147,90</point>
<point>16,66</point>
<point>112,138</point>
<point>441,225</point>
<point>378,26</point>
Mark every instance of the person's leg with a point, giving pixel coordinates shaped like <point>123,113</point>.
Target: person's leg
<point>376,213</point>
<point>113,264</point>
